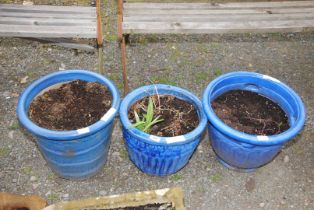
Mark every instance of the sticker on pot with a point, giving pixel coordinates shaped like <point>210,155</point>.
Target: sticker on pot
<point>262,138</point>
<point>108,115</point>
<point>175,139</point>
<point>271,78</point>
<point>154,138</point>
<point>83,130</point>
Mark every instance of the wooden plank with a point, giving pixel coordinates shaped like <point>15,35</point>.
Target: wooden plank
<point>219,5</point>
<point>218,12</point>
<point>218,27</point>
<point>49,12</point>
<point>47,15</point>
<point>47,31</point>
<point>196,5</point>
<point>47,22</point>
<point>64,42</point>
<point>47,8</point>
<point>215,18</point>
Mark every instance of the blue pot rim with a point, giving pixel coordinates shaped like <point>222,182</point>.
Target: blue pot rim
<point>248,138</point>
<point>158,140</point>
<point>72,134</point>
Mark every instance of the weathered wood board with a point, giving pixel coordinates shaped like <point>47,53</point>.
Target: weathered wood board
<point>40,21</point>
<point>283,16</point>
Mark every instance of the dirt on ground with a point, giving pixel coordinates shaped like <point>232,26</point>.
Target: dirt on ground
<point>190,62</point>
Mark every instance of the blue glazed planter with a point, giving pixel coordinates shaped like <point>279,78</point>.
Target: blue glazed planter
<point>245,152</point>
<point>157,155</point>
<point>74,154</point>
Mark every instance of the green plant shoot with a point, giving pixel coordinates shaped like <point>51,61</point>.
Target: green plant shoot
<point>145,124</point>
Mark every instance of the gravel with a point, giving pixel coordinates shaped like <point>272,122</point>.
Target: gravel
<point>190,62</point>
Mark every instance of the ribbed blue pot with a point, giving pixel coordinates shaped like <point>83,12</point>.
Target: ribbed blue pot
<point>241,151</point>
<point>156,155</point>
<point>74,154</point>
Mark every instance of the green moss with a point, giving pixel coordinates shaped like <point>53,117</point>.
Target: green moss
<point>175,177</point>
<point>111,38</point>
<point>163,80</point>
<point>124,154</point>
<point>183,62</point>
<point>204,49</point>
<point>53,197</point>
<point>215,45</point>
<point>175,55</point>
<point>31,75</point>
<point>276,35</point>
<point>51,176</point>
<point>113,77</point>
<point>198,62</point>
<point>14,126</point>
<point>120,85</point>
<point>216,178</point>
<point>217,72</point>
<point>200,77</point>
<point>47,61</point>
<point>143,40</point>
<point>28,170</point>
<point>4,151</point>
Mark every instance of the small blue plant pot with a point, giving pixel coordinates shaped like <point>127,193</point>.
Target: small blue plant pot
<point>157,155</point>
<point>241,151</point>
<point>74,154</point>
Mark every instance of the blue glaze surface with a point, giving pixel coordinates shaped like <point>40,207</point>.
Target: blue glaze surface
<point>154,155</point>
<point>71,154</point>
<point>245,151</point>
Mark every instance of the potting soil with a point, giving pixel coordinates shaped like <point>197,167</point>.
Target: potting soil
<point>178,117</point>
<point>250,113</point>
<point>72,106</point>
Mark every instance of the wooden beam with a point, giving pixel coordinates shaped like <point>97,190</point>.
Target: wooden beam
<point>47,31</point>
<point>48,15</point>
<point>65,42</point>
<point>47,22</point>
<point>46,8</point>
<point>239,5</point>
<point>217,27</point>
<point>217,18</point>
<point>218,12</point>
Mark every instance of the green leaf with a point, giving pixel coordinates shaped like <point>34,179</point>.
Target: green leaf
<point>138,124</point>
<point>148,119</point>
<point>137,118</point>
<point>148,126</point>
<point>150,111</point>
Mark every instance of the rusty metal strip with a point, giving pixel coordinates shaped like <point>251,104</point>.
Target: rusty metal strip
<point>99,24</point>
<point>120,19</point>
<point>123,61</point>
<point>121,39</point>
<point>99,39</point>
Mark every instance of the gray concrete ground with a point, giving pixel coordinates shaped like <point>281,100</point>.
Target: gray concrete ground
<point>190,62</point>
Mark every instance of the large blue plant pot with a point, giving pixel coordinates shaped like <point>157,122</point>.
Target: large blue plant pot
<point>157,155</point>
<point>74,154</point>
<point>243,151</point>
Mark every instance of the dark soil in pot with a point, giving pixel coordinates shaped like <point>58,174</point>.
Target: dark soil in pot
<point>73,105</point>
<point>250,113</point>
<point>178,117</point>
